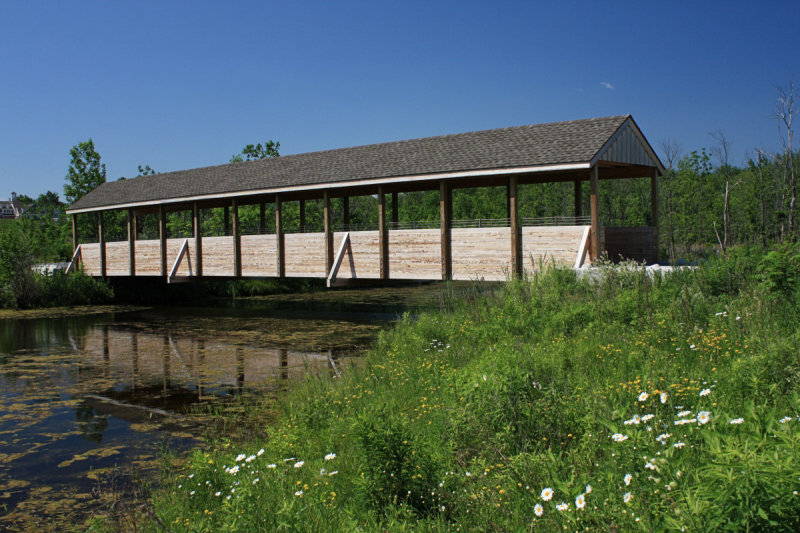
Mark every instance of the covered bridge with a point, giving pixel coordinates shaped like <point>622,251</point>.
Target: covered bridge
<point>591,150</point>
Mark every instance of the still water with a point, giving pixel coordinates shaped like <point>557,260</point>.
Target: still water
<point>87,401</point>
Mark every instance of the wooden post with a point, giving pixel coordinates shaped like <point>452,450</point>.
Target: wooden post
<point>446,216</point>
<point>326,217</point>
<point>303,216</point>
<point>594,206</point>
<point>654,211</point>
<point>516,231</point>
<point>198,240</point>
<point>262,218</point>
<point>101,237</point>
<point>395,213</point>
<point>578,199</point>
<point>346,213</point>
<point>279,242</point>
<point>131,243</point>
<point>237,241</point>
<point>226,220</point>
<point>162,237</point>
<point>383,235</point>
<point>74,232</point>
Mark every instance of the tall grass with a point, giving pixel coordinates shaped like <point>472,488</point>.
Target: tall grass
<point>618,403</point>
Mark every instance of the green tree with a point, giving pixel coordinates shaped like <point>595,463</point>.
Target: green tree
<point>145,171</point>
<point>257,151</point>
<point>85,172</point>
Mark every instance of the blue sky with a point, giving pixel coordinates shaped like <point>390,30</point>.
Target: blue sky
<point>180,85</point>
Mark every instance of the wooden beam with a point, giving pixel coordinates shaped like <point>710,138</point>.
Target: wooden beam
<point>383,235</point>
<point>578,198</point>
<point>654,211</point>
<point>343,247</point>
<point>198,240</point>
<point>446,217</point>
<point>262,218</point>
<point>101,238</point>
<point>346,212</point>
<point>131,243</point>
<point>326,217</point>
<point>237,241</point>
<point>516,230</point>
<point>162,237</point>
<point>74,232</point>
<point>594,206</point>
<point>279,242</point>
<point>395,213</point>
<point>303,215</point>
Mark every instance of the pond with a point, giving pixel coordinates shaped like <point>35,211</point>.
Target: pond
<point>90,401</point>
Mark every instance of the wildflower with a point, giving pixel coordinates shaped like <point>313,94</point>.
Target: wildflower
<point>256,480</point>
<point>588,489</point>
<point>298,493</point>
<point>273,465</point>
<point>684,413</point>
<point>619,437</point>
<point>705,392</point>
<point>191,493</point>
<point>538,510</point>
<point>648,417</point>
<point>650,465</point>
<point>627,497</point>
<point>692,347</point>
<point>547,494</point>
<point>333,473</point>
<point>703,417</point>
<point>260,452</point>
<point>233,470</point>
<point>240,457</point>
<point>737,421</point>
<point>663,397</point>
<point>218,493</point>
<point>635,420</point>
<point>298,464</point>
<point>251,458</point>
<point>563,506</point>
<point>330,456</point>
<point>228,497</point>
<point>627,479</point>
<point>785,419</point>
<point>679,444</point>
<point>580,501</point>
<point>643,396</point>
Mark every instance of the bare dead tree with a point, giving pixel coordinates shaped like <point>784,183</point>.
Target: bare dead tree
<point>761,157</point>
<point>672,152</point>
<point>786,109</point>
<point>722,151</point>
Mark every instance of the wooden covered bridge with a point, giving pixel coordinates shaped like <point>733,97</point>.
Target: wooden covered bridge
<point>591,150</point>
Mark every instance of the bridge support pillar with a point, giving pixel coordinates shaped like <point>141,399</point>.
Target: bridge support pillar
<point>198,240</point>
<point>594,206</point>
<point>326,216</point>
<point>446,216</point>
<point>101,237</point>
<point>237,241</point>
<point>131,242</point>
<point>516,230</point>
<point>279,242</point>
<point>383,234</point>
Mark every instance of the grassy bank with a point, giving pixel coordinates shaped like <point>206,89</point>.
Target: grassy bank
<point>617,404</point>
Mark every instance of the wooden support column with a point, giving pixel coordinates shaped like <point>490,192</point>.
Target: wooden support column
<point>578,198</point>
<point>446,216</point>
<point>395,213</point>
<point>516,230</point>
<point>383,235</point>
<point>162,237</point>
<point>326,217</point>
<point>198,240</point>
<point>594,206</point>
<point>131,243</point>
<point>237,241</point>
<point>262,218</point>
<point>303,216</point>
<point>346,213</point>
<point>226,220</point>
<point>279,242</point>
<point>101,237</point>
<point>74,232</point>
<point>654,211</point>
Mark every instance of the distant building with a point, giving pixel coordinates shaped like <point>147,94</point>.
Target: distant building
<point>12,208</point>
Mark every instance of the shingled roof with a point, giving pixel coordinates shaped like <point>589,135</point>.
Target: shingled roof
<point>512,149</point>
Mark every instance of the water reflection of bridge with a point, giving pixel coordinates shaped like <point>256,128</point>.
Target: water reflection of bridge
<point>135,359</point>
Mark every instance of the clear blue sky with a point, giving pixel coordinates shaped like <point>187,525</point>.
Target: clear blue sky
<point>180,85</point>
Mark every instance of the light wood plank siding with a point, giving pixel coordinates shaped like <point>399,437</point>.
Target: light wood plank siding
<point>217,256</point>
<point>548,244</point>
<point>118,257</point>
<point>481,253</point>
<point>415,254</point>
<point>259,255</point>
<point>305,255</point>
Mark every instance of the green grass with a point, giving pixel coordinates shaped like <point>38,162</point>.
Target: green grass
<point>460,419</point>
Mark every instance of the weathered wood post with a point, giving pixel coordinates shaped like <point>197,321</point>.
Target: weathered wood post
<point>654,211</point>
<point>516,231</point>
<point>101,237</point>
<point>74,232</point>
<point>279,241</point>
<point>198,240</point>
<point>237,240</point>
<point>594,206</point>
<point>131,242</point>
<point>162,237</point>
<point>446,222</point>
<point>383,234</point>
<point>326,217</point>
